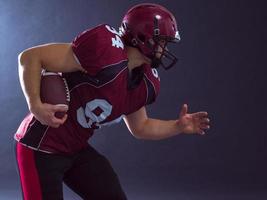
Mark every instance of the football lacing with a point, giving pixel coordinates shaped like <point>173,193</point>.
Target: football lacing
<point>67,89</point>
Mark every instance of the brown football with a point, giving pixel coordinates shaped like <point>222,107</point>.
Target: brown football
<point>54,90</point>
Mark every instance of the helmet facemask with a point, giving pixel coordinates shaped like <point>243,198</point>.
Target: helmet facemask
<point>161,56</point>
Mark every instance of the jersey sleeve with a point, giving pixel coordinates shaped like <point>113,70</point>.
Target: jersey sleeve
<point>98,48</point>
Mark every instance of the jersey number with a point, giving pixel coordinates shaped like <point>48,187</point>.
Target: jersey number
<point>87,118</point>
<point>116,42</point>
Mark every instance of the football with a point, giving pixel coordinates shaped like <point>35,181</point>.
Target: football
<point>54,90</point>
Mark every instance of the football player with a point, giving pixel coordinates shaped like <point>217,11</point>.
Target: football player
<point>111,76</point>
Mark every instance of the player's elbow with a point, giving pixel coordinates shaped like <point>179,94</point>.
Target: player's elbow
<point>27,56</point>
<point>137,136</point>
<point>136,123</point>
<point>138,133</point>
<point>23,57</point>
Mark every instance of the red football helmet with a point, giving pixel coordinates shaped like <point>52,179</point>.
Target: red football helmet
<point>148,26</point>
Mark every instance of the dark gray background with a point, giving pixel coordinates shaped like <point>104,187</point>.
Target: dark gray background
<point>221,70</point>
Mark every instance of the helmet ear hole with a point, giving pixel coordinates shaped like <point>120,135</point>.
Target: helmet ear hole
<point>134,42</point>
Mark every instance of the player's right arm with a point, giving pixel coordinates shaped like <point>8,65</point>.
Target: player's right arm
<point>56,57</point>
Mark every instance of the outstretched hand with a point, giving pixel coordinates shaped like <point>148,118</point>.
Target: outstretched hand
<point>193,123</point>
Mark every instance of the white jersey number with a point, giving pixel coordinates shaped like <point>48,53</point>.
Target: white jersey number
<point>116,42</point>
<point>104,106</point>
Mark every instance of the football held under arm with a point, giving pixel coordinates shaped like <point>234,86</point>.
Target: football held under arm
<point>56,57</point>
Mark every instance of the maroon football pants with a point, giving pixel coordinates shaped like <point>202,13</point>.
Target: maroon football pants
<point>87,173</point>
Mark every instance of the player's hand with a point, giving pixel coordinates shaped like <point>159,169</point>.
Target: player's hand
<point>45,113</point>
<point>193,123</point>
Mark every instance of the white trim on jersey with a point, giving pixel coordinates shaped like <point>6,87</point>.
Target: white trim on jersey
<point>30,147</point>
<point>146,90</point>
<point>43,137</point>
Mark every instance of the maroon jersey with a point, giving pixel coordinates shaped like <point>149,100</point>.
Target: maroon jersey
<point>99,98</point>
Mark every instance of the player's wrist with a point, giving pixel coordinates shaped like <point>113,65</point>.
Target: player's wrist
<point>34,104</point>
<point>178,127</point>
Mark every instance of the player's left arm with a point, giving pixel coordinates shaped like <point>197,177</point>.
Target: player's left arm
<point>143,127</point>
